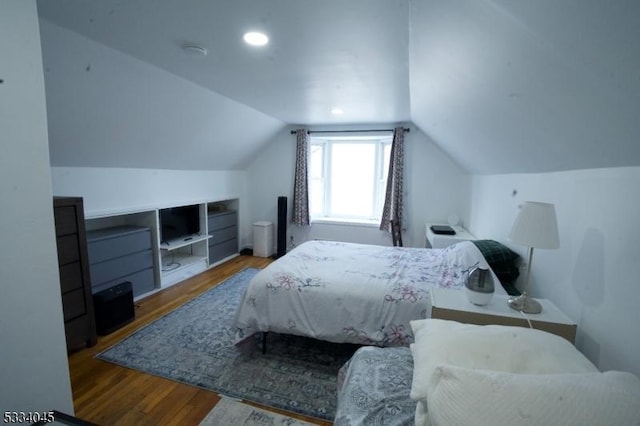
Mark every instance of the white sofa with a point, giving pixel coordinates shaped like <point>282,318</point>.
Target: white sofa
<point>462,374</point>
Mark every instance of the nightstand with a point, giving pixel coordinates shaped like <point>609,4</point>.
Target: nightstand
<point>443,240</point>
<point>452,304</point>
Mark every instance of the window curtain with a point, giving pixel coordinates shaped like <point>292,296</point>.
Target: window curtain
<point>300,213</point>
<point>393,198</point>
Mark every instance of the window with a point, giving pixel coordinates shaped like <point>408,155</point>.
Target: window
<point>348,177</point>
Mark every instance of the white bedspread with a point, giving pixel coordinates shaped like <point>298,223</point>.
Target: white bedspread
<point>344,292</point>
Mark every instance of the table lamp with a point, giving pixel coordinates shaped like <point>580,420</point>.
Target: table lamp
<point>535,227</point>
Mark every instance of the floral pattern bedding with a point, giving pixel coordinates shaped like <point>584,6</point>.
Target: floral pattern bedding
<point>355,293</point>
<point>374,387</point>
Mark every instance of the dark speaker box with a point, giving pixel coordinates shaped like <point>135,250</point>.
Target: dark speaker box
<point>113,308</point>
<point>282,227</point>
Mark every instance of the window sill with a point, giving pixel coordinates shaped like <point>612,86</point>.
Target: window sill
<point>346,222</point>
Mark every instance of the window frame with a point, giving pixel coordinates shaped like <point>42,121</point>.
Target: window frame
<point>382,141</point>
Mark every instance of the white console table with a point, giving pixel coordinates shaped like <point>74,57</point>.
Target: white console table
<point>442,240</point>
<point>453,305</point>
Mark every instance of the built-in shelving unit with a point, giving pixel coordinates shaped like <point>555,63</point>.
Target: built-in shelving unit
<point>183,257</point>
<point>180,258</point>
<point>177,243</point>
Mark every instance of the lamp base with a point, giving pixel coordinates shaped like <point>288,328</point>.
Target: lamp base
<point>524,303</point>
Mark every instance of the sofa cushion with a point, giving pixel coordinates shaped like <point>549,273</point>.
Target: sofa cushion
<point>489,347</point>
<point>461,396</point>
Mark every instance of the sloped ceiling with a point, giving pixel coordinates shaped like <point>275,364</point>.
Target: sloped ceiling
<point>502,86</point>
<point>528,86</point>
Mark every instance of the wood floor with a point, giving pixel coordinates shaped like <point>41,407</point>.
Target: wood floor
<point>107,394</point>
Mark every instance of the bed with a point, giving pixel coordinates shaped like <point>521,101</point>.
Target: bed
<point>498,375</point>
<point>351,293</point>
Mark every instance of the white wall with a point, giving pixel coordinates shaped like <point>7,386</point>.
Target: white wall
<point>110,191</point>
<point>108,109</point>
<point>527,86</point>
<point>435,187</point>
<point>592,277</point>
<point>33,360</point>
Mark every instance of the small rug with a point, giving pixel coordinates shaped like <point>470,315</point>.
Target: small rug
<point>230,412</point>
<point>194,344</point>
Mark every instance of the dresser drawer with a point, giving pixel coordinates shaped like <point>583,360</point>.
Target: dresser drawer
<point>223,234</point>
<point>68,250</point>
<point>79,332</point>
<point>70,277</point>
<point>119,267</point>
<point>109,243</point>
<point>222,250</point>
<point>73,304</point>
<point>141,282</point>
<point>221,220</point>
<point>66,220</point>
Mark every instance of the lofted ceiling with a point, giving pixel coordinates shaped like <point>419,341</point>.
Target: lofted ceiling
<point>502,86</point>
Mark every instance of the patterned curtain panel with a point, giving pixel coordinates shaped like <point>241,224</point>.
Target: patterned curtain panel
<point>300,214</point>
<point>393,198</point>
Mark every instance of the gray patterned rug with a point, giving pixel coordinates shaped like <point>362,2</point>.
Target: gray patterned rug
<point>194,345</point>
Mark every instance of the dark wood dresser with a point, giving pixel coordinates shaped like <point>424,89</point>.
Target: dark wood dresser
<point>75,281</point>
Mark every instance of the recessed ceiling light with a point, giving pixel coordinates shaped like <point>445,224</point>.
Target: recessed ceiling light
<point>337,111</point>
<point>256,38</point>
<point>194,49</point>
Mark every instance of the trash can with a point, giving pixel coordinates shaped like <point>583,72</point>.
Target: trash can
<point>263,239</point>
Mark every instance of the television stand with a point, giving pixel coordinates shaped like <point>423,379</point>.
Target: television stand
<point>187,256</point>
<point>191,252</point>
<point>176,243</point>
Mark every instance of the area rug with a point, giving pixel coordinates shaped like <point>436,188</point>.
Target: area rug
<point>194,344</point>
<point>231,412</point>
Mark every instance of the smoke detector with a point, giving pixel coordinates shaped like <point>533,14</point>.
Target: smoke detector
<point>194,49</point>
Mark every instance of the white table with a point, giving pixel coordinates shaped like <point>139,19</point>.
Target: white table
<point>442,240</point>
<point>452,304</point>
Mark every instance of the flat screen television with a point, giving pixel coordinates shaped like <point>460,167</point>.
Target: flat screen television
<point>179,222</point>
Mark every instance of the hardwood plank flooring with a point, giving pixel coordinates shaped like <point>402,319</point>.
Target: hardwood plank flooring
<point>108,394</point>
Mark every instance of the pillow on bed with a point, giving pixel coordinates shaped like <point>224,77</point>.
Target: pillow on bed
<point>494,252</point>
<point>465,255</point>
<point>489,347</point>
<point>532,399</point>
<point>501,259</point>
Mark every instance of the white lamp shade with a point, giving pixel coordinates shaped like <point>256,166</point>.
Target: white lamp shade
<point>536,226</point>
